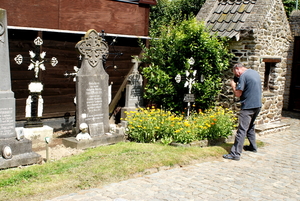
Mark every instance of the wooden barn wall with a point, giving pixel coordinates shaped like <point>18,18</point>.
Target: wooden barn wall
<point>78,15</point>
<point>59,91</point>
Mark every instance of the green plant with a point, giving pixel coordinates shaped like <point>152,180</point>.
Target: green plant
<point>168,56</point>
<point>169,11</point>
<point>289,6</point>
<point>151,125</point>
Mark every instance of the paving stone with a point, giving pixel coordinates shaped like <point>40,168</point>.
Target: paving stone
<point>271,174</point>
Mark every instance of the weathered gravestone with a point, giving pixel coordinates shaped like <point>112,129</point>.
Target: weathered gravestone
<point>134,90</point>
<point>92,105</point>
<point>15,151</point>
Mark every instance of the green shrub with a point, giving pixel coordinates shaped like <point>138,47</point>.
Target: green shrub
<point>150,125</point>
<point>168,55</point>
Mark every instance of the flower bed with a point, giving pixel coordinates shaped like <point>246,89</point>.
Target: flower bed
<point>151,125</point>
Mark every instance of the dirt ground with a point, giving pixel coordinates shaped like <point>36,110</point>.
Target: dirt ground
<point>56,149</point>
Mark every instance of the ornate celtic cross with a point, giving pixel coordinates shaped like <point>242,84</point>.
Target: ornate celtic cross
<point>92,47</point>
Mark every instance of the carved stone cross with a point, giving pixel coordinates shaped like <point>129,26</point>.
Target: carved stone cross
<point>135,76</point>
<point>136,62</point>
<point>92,47</point>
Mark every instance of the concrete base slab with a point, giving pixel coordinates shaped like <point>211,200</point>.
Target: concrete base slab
<point>38,133</point>
<point>21,159</point>
<point>273,127</point>
<point>105,139</point>
<point>21,152</point>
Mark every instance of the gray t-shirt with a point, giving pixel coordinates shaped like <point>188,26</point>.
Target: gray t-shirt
<point>250,84</point>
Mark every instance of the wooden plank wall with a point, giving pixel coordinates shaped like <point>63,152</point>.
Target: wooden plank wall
<point>77,15</point>
<point>59,91</point>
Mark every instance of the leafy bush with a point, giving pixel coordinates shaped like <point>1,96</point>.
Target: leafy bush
<point>150,125</point>
<point>168,56</point>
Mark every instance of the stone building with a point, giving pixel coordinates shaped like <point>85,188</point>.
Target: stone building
<point>261,39</point>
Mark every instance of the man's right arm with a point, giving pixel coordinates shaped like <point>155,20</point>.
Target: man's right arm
<point>237,93</point>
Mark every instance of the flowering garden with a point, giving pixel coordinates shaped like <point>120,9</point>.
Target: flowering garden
<point>151,125</point>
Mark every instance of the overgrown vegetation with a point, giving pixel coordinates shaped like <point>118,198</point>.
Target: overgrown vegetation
<point>151,125</point>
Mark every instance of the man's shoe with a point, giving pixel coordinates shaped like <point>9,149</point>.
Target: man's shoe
<point>230,157</point>
<point>248,148</point>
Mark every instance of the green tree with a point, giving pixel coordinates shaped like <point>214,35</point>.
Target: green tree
<point>168,11</point>
<point>167,56</point>
<point>289,6</point>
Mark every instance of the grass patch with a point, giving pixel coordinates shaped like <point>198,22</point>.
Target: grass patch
<point>97,167</point>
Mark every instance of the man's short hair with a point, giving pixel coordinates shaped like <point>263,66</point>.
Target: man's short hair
<point>238,65</point>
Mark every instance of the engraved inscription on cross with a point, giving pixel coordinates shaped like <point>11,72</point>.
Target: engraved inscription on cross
<point>93,48</point>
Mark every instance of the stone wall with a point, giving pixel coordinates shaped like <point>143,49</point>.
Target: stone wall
<point>269,42</point>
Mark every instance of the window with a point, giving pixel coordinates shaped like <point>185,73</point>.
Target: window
<point>269,79</point>
<point>267,75</point>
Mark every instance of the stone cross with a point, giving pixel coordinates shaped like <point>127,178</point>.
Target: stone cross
<point>136,62</point>
<point>92,85</point>
<point>93,48</point>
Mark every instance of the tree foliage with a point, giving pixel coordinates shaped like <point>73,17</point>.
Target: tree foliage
<point>167,11</point>
<point>289,6</point>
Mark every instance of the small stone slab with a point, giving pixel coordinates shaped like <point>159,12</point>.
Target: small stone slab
<point>38,133</point>
<point>95,142</point>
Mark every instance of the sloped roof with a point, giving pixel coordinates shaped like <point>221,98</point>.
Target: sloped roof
<point>229,17</point>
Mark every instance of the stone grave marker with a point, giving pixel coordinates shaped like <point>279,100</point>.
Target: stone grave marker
<point>92,85</point>
<point>15,150</point>
<point>92,99</point>
<point>134,89</point>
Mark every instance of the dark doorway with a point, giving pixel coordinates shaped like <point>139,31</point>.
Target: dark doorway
<point>295,84</point>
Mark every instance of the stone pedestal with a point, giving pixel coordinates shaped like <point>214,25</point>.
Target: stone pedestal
<point>38,133</point>
<point>21,152</point>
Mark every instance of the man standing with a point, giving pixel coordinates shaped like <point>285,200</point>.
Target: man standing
<point>248,88</point>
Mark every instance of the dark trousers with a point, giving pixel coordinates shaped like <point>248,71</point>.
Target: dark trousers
<point>245,128</point>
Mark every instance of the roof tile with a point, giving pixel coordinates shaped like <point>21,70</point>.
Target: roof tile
<point>229,16</point>
<point>234,8</point>
<point>249,7</point>
<point>222,18</point>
